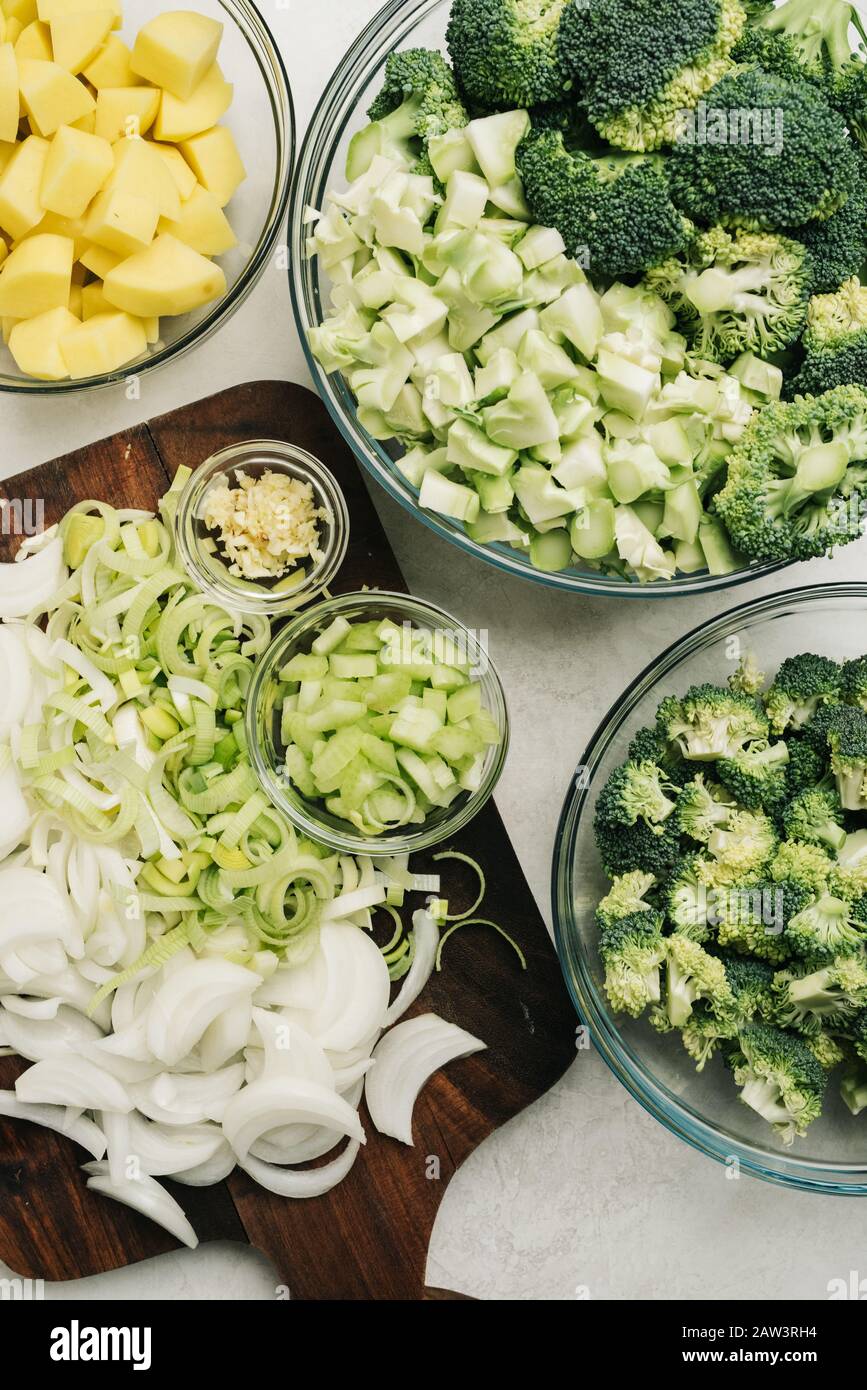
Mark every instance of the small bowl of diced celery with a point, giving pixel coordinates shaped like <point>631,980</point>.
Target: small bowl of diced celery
<point>262,527</point>
<point>377,723</point>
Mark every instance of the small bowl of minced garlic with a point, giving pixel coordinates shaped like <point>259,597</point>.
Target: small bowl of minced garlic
<point>262,527</point>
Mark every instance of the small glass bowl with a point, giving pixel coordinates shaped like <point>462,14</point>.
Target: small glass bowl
<point>303,583</point>
<point>263,720</point>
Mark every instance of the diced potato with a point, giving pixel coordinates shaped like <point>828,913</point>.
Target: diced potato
<point>125,111</point>
<point>121,221</point>
<point>24,11</point>
<point>58,225</point>
<point>76,168</point>
<point>152,330</point>
<point>7,150</point>
<point>35,344</point>
<point>99,260</point>
<point>202,224</point>
<point>179,120</point>
<point>214,159</point>
<point>50,95</point>
<point>20,182</point>
<point>14,30</point>
<point>36,276</point>
<point>93,301</point>
<point>102,344</point>
<point>76,39</point>
<point>34,41</point>
<point>87,123</point>
<point>111,67</point>
<point>139,169</point>
<point>167,278</point>
<point>175,50</point>
<point>79,274</point>
<point>180,170</point>
<point>50,9</point>
<point>75,292</point>
<point>6,325</point>
<point>9,104</point>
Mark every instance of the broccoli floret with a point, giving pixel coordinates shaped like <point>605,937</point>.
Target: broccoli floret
<point>752,920</point>
<point>623,849</point>
<point>849,96</point>
<point>848,743</point>
<point>857,1033</point>
<point>710,722</point>
<point>626,896</point>
<point>779,1077</point>
<point>688,900</point>
<point>828,1052</point>
<point>633,792</point>
<point>419,99</point>
<point>832,995</point>
<point>814,817</point>
<point>838,246</point>
<point>805,768</point>
<point>649,746</point>
<point>701,808</point>
<point>791,475</point>
<point>805,866</point>
<point>614,213</point>
<point>816,732</point>
<point>809,173</point>
<point>801,685</point>
<point>633,950</point>
<point>737,292</point>
<point>834,342</point>
<point>748,678</point>
<point>744,846</point>
<point>756,777</point>
<point>749,981</point>
<point>691,973</point>
<point>775,53</point>
<point>506,52</point>
<point>853,682</point>
<point>824,930</point>
<point>818,30</point>
<point>641,63</point>
<point>853,1089</point>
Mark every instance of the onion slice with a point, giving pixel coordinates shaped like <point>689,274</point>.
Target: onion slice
<point>307,1182</point>
<point>146,1195</point>
<point>82,1131</point>
<point>405,1058</point>
<point>426,934</point>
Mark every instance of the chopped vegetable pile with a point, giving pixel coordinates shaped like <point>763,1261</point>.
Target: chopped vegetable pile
<point>612,325</point>
<point>736,840</point>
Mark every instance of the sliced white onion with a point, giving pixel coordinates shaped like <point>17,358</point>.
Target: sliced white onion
<point>29,583</point>
<point>226,1036</point>
<point>348,903</point>
<point>147,1196</point>
<point>405,1058</point>
<point>268,1104</point>
<point>15,814</point>
<point>16,679</point>
<point>72,1081</point>
<point>174,1099</point>
<point>82,1131</point>
<point>214,1170</point>
<point>188,1002</point>
<point>308,1182</point>
<point>34,912</point>
<point>426,936</point>
<point>164,1150</point>
<point>356,989</point>
<point>64,1034</point>
<point>31,1008</point>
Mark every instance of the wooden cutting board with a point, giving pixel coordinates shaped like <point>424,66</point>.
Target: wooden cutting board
<point>368,1238</point>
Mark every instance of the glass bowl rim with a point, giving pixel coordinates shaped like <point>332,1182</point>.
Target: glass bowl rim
<point>297,462</point>
<point>781,1168</point>
<point>402,841</point>
<point>333,112</point>
<point>265,50</point>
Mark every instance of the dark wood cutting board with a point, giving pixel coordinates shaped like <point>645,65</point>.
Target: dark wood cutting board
<point>367,1239</point>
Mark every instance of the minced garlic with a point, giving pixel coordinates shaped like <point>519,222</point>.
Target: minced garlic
<point>266,524</point>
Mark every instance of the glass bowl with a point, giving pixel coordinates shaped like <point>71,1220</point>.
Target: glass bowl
<point>702,1109</point>
<point>340,113</point>
<point>212,575</point>
<point>262,121</point>
<point>263,721</point>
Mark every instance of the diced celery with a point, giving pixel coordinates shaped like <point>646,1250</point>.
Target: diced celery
<point>469,447</point>
<point>494,141</point>
<point>309,695</point>
<point>304,666</point>
<point>379,752</point>
<point>353,665</point>
<point>298,771</point>
<point>363,637</point>
<point>359,780</point>
<point>551,552</point>
<point>415,726</point>
<point>336,714</point>
<point>336,753</point>
<point>447,678</point>
<point>387,690</point>
<point>300,732</point>
<point>437,700</point>
<point>417,769</point>
<point>440,494</point>
<point>331,637</point>
<point>464,702</point>
<point>683,512</point>
<point>591,532</point>
<point>576,318</point>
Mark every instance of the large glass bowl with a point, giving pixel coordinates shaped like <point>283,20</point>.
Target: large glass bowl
<point>340,113</point>
<point>262,121</point>
<point>703,1109</point>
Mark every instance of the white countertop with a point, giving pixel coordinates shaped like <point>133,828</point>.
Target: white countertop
<point>583,1195</point>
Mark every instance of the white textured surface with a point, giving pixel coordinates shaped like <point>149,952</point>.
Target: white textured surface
<point>583,1195</point>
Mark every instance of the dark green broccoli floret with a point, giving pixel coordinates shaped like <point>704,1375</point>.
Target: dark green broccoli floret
<point>834,342</point>
<point>838,246</point>
<point>635,792</point>
<point>806,766</point>
<point>753,920</point>
<point>853,682</point>
<point>749,981</point>
<point>632,950</point>
<point>691,973</point>
<point>625,848</point>
<point>710,722</point>
<point>614,213</point>
<point>799,165</point>
<point>824,930</point>
<point>831,995</point>
<point>734,293</point>
<point>506,52</point>
<point>419,99</point>
<point>804,866</point>
<point>649,746</point>
<point>815,817</point>
<point>790,477</point>
<point>756,777</point>
<point>847,741</point>
<point>818,30</point>
<point>849,96</point>
<point>780,1078</point>
<point>640,64</point>
<point>801,685</point>
<point>857,1033</point>
<point>816,732</point>
<point>701,808</point>
<point>775,53</point>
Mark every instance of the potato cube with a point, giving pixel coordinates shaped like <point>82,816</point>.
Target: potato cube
<point>20,208</point>
<point>98,260</point>
<point>180,170</point>
<point>50,9</point>
<point>93,301</point>
<point>214,159</point>
<point>14,30</point>
<point>34,41</point>
<point>50,95</point>
<point>75,298</point>
<point>139,169</point>
<point>121,221</point>
<point>35,344</point>
<point>167,278</point>
<point>202,224</point>
<point>102,344</point>
<point>151,327</point>
<point>75,170</point>
<point>7,150</point>
<point>110,67</point>
<point>9,104</point>
<point>77,38</point>
<point>125,111</point>
<point>6,326</point>
<point>87,123</point>
<point>57,225</point>
<point>36,276</point>
<point>176,49</point>
<point>24,11</point>
<point>179,120</point>
<point>4,250</point>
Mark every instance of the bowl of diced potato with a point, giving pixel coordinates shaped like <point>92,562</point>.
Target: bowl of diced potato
<point>145,159</point>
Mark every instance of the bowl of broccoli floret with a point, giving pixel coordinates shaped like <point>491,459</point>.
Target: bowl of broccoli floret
<point>579,281</point>
<point>710,888</point>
